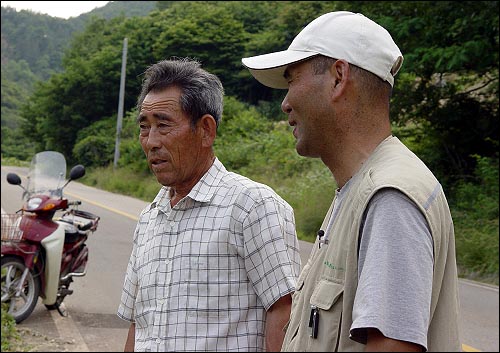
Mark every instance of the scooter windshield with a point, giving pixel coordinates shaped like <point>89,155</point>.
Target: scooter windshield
<point>47,174</point>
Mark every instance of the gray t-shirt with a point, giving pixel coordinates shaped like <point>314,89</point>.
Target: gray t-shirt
<point>395,269</point>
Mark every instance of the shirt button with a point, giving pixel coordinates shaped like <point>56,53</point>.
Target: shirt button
<point>172,224</point>
<point>158,341</point>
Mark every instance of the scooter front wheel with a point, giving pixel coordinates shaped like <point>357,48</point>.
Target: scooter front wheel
<point>19,306</point>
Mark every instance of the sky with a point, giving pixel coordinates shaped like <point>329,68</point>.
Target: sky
<point>62,9</point>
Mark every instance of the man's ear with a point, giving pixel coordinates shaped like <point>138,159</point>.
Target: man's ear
<point>339,74</point>
<point>208,129</point>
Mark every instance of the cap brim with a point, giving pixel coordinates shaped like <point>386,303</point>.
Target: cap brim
<point>269,69</point>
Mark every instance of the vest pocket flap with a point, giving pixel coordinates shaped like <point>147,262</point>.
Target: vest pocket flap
<point>326,293</point>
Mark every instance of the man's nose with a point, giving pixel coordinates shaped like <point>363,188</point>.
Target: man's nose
<point>154,138</point>
<point>285,106</point>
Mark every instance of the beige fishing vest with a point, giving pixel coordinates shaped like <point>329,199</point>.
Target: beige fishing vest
<point>329,279</point>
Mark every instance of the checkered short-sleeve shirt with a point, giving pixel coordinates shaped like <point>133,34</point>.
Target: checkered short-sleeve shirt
<point>203,273</point>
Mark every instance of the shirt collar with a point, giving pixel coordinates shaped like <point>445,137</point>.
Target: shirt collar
<point>203,191</point>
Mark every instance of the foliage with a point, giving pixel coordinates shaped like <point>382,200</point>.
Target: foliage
<point>96,144</point>
<point>239,134</point>
<point>125,181</point>
<point>9,332</point>
<point>441,83</point>
<point>15,162</point>
<point>201,30</point>
<point>131,154</point>
<point>17,84</point>
<point>121,8</point>
<point>33,46</point>
<point>310,193</point>
<point>16,145</point>
<point>40,41</point>
<point>475,213</point>
<point>250,144</point>
<point>94,151</point>
<point>449,77</point>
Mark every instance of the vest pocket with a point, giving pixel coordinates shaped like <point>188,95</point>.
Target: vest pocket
<point>292,326</point>
<point>327,298</point>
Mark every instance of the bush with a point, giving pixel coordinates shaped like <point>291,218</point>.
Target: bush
<point>95,151</point>
<point>474,207</point>
<point>124,181</point>
<point>310,193</point>
<point>132,157</point>
<point>9,330</point>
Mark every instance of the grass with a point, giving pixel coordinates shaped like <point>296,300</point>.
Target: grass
<point>14,162</point>
<point>10,336</point>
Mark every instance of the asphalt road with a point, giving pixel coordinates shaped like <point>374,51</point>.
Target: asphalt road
<point>92,323</point>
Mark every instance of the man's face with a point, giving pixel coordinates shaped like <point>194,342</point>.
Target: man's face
<point>171,145</point>
<point>308,108</point>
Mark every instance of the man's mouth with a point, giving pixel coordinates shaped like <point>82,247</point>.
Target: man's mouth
<point>156,162</point>
<point>293,124</point>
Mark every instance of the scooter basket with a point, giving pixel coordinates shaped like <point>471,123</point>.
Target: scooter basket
<point>13,227</point>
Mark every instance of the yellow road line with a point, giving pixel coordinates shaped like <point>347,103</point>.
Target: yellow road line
<point>467,348</point>
<point>128,215</point>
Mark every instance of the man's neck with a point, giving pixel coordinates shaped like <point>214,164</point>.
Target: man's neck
<point>348,158</point>
<point>178,192</point>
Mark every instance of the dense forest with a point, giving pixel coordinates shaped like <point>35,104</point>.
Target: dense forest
<point>61,78</point>
<point>33,46</point>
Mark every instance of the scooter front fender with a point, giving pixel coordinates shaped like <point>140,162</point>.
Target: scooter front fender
<point>26,252</point>
<point>53,245</point>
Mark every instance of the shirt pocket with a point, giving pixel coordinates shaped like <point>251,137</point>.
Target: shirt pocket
<point>327,298</point>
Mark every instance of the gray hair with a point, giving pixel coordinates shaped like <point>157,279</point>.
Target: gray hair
<point>202,92</point>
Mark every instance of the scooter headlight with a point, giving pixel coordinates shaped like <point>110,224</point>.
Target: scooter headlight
<point>33,203</point>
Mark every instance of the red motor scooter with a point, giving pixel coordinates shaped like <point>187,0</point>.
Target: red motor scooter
<point>42,252</point>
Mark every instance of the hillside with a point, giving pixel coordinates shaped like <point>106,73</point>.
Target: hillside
<point>33,46</point>
<point>41,40</point>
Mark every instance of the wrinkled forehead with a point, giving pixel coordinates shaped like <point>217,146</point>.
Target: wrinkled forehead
<point>170,93</point>
<point>160,103</point>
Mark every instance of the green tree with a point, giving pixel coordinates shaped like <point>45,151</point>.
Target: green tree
<point>448,83</point>
<point>207,32</point>
<point>88,89</point>
<point>447,88</point>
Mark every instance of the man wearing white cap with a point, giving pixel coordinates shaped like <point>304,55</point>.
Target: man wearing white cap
<point>382,275</point>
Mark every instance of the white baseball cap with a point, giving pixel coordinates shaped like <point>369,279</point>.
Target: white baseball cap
<point>339,35</point>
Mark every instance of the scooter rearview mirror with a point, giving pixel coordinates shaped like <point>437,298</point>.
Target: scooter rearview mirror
<point>14,179</point>
<point>77,172</point>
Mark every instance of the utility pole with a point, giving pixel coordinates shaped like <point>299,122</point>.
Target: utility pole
<point>120,104</point>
